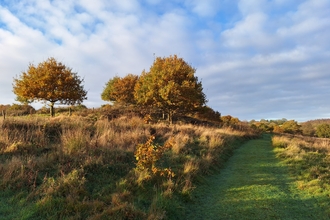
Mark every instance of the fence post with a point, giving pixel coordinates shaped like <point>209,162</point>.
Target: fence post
<point>4,114</point>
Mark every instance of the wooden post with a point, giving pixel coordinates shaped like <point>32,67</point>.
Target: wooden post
<point>4,114</point>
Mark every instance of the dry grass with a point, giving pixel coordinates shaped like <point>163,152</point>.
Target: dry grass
<point>309,162</point>
<point>78,166</point>
<point>310,143</point>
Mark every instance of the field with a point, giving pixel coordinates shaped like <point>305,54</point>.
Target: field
<point>87,167</point>
<point>308,160</point>
<point>257,184</point>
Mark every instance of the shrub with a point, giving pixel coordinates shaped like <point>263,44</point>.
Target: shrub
<point>16,110</point>
<point>147,156</point>
<point>323,130</point>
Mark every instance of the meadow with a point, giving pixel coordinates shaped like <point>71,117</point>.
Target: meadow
<point>92,167</point>
<point>308,159</point>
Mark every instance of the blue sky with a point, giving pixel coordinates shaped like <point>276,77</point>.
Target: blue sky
<point>257,59</point>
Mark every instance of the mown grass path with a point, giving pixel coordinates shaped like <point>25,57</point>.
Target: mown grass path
<point>253,185</point>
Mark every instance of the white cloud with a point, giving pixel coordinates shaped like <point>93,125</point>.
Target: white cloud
<point>307,27</point>
<point>249,33</point>
<point>205,8</point>
<point>256,59</point>
<point>252,6</point>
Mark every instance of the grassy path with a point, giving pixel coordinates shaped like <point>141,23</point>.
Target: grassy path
<point>253,185</point>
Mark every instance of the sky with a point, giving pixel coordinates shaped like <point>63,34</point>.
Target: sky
<point>256,59</point>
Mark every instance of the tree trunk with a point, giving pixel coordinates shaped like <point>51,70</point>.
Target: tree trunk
<point>170,117</point>
<point>52,112</point>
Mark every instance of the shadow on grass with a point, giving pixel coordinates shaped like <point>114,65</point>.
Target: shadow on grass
<point>253,185</point>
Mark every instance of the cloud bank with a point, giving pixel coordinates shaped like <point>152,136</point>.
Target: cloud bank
<point>256,59</point>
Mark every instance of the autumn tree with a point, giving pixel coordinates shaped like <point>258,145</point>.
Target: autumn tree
<point>120,89</point>
<point>229,121</point>
<point>291,127</point>
<point>277,129</point>
<point>208,114</point>
<point>22,100</point>
<point>308,129</point>
<point>50,81</point>
<point>106,95</point>
<point>171,86</point>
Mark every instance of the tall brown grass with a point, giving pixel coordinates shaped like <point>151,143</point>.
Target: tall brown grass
<point>304,142</point>
<point>77,166</point>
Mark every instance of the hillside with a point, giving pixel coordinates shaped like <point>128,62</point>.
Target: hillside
<point>93,167</point>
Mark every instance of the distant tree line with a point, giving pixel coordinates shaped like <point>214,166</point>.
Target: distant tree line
<point>277,126</point>
<point>26,109</point>
<point>314,128</point>
<point>319,128</point>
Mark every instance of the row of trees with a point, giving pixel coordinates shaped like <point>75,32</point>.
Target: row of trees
<point>169,86</point>
<point>277,126</point>
<point>316,128</point>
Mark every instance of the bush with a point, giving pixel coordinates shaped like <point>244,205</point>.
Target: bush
<point>323,131</point>
<point>19,110</point>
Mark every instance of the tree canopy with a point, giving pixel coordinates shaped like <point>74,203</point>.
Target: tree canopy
<point>229,121</point>
<point>120,89</point>
<point>291,127</point>
<point>50,81</point>
<point>170,85</point>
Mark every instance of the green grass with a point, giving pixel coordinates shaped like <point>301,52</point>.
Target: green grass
<point>253,185</point>
<point>15,206</point>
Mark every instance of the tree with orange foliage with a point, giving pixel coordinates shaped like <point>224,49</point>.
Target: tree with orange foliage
<point>170,85</point>
<point>229,121</point>
<point>50,81</point>
<point>120,89</point>
<point>291,127</point>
